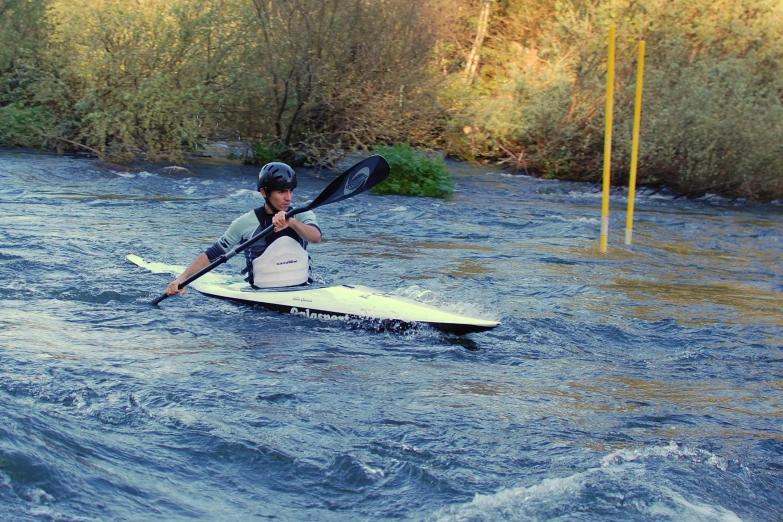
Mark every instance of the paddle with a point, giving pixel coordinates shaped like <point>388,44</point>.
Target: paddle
<point>362,176</point>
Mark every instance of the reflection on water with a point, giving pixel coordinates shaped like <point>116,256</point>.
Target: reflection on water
<point>469,269</point>
<point>451,246</point>
<point>696,277</point>
<point>653,300</point>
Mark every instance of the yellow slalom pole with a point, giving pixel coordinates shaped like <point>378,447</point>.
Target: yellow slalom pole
<point>637,120</point>
<point>608,142</point>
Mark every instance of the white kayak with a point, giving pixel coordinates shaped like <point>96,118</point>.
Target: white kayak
<point>333,303</point>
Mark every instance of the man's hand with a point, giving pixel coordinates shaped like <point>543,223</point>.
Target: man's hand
<point>279,221</point>
<point>309,233</point>
<point>173,288</point>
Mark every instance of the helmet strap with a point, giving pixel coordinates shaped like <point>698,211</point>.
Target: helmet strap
<point>268,202</point>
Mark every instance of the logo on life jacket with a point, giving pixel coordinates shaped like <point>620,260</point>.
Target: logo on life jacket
<point>356,181</point>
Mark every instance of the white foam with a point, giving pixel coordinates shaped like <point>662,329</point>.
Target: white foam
<point>371,472</point>
<point>623,475</point>
<point>690,511</point>
<point>669,451</point>
<point>512,175</point>
<point>243,193</point>
<point>428,297</point>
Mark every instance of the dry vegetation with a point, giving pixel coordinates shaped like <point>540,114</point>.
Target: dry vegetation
<point>521,82</point>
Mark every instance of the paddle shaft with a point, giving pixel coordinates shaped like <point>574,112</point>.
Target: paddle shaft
<point>231,253</point>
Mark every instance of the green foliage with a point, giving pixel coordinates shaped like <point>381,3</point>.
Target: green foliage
<point>21,31</point>
<point>130,79</point>
<point>712,110</point>
<point>267,152</point>
<point>414,174</point>
<point>716,130</point>
<point>161,77</point>
<point>26,126</point>
<point>157,78</point>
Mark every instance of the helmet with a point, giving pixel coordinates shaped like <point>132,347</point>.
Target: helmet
<point>276,176</point>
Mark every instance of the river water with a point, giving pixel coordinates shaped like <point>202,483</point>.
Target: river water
<point>641,384</point>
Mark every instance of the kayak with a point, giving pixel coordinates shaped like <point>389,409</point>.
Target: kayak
<point>331,303</point>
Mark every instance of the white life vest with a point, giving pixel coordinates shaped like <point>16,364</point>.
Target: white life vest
<point>283,263</point>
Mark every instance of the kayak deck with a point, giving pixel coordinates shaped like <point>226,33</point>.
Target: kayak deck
<point>333,303</point>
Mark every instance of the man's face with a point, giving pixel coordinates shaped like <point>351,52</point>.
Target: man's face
<point>279,199</point>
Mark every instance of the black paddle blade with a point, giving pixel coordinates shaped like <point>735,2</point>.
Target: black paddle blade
<point>362,176</point>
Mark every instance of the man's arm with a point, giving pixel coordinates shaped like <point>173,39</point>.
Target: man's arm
<point>310,233</point>
<point>231,236</point>
<point>200,262</point>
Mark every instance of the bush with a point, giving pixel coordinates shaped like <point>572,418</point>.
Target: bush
<point>712,110</point>
<point>266,153</point>
<point>713,131</point>
<point>25,126</point>
<point>414,174</point>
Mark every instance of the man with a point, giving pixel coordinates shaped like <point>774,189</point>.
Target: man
<point>279,259</point>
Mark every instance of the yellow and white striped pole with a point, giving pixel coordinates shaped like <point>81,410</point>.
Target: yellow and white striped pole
<point>637,120</point>
<point>608,142</point>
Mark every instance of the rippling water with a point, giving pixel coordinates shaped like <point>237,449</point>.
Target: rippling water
<point>641,384</point>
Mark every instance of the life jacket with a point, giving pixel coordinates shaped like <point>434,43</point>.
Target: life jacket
<point>283,263</point>
<point>259,249</point>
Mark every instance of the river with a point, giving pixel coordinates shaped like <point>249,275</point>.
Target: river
<point>644,383</point>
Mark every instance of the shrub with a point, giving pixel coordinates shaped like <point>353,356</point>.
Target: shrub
<point>712,111</point>
<point>414,174</point>
<point>715,130</point>
<point>266,152</point>
<point>25,126</point>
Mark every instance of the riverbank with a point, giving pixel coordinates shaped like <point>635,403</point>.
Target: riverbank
<point>241,153</point>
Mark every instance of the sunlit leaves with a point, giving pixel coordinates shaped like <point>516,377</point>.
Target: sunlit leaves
<point>414,173</point>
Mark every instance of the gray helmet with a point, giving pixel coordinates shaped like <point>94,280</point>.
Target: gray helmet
<point>276,176</point>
